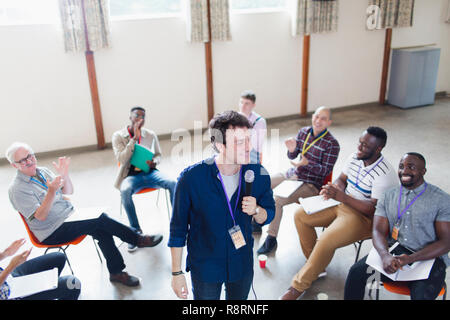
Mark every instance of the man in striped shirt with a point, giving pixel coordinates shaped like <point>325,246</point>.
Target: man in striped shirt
<point>318,151</point>
<point>365,178</point>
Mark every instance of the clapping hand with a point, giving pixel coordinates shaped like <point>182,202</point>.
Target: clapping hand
<point>12,249</point>
<point>291,144</point>
<point>62,167</point>
<point>303,162</point>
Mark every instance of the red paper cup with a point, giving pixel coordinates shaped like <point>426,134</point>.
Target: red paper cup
<point>262,260</point>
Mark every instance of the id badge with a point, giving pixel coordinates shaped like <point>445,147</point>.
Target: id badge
<point>395,232</point>
<point>237,237</point>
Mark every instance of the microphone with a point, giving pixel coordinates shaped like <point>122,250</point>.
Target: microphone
<point>249,177</point>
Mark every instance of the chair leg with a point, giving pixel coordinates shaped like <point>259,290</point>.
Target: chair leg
<point>358,250</point>
<point>167,202</point>
<point>67,258</point>
<point>96,249</point>
<point>444,297</point>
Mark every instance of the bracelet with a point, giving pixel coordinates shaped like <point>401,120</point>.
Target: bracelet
<point>177,273</point>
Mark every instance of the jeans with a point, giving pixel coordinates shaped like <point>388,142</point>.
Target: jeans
<point>68,286</point>
<point>132,184</point>
<point>102,229</point>
<point>427,289</point>
<point>211,290</point>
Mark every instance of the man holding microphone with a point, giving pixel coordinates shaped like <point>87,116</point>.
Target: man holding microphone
<point>215,201</point>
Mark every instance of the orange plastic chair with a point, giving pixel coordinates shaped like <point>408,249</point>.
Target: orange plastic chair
<point>401,287</point>
<point>60,247</point>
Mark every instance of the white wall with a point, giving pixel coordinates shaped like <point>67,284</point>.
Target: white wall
<point>44,92</point>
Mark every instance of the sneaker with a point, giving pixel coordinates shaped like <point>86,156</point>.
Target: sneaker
<point>133,247</point>
<point>125,279</point>
<point>256,228</point>
<point>268,245</point>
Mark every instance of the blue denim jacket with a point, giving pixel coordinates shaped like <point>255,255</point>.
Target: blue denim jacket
<point>202,218</point>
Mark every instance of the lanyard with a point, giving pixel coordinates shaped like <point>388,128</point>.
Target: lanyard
<point>400,213</point>
<point>367,172</point>
<point>226,195</point>
<point>312,143</point>
<point>39,182</point>
<point>129,132</point>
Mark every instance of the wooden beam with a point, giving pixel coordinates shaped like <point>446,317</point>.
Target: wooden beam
<point>208,61</point>
<point>385,71</point>
<point>305,75</point>
<point>93,86</point>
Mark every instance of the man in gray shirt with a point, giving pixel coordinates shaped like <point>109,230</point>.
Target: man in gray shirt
<point>38,195</point>
<point>417,216</point>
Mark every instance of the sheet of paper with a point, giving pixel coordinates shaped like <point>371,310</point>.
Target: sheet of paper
<point>418,271</point>
<point>86,213</point>
<point>317,203</point>
<point>30,284</point>
<point>286,188</point>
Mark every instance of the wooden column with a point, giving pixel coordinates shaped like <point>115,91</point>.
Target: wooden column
<point>208,60</point>
<point>305,74</point>
<point>385,71</point>
<point>93,86</point>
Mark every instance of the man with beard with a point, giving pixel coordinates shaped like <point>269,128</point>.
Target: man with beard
<point>365,178</point>
<point>417,216</point>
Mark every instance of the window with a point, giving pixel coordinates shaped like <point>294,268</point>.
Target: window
<point>257,4</point>
<point>28,12</point>
<point>143,8</point>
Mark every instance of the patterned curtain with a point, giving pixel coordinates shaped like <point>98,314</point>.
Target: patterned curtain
<point>394,13</point>
<point>198,20</point>
<point>97,21</point>
<point>314,16</point>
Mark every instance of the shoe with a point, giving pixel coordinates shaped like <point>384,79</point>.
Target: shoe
<point>149,241</point>
<point>291,294</point>
<point>268,245</point>
<point>322,274</point>
<point>125,279</point>
<point>256,228</point>
<point>133,247</point>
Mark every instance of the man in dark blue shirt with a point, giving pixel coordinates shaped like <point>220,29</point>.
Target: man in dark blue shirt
<point>213,214</point>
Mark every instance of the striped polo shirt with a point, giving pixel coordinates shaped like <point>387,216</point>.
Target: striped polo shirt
<point>364,183</point>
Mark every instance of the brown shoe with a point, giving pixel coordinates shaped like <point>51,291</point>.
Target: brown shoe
<point>149,241</point>
<point>125,279</point>
<point>291,294</point>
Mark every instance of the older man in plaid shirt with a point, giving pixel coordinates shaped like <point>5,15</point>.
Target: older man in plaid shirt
<point>318,151</point>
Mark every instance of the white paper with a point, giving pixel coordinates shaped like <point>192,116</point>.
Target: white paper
<point>417,271</point>
<point>317,203</point>
<point>286,188</point>
<point>33,283</point>
<point>85,214</point>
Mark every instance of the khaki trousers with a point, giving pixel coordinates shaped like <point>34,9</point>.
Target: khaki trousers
<point>305,190</point>
<point>344,226</point>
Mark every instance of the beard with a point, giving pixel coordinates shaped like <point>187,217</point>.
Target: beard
<point>365,157</point>
<point>407,182</point>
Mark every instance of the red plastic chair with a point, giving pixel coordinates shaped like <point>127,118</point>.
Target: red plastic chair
<point>60,247</point>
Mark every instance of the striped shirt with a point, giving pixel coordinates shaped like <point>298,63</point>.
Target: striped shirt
<point>321,156</point>
<point>364,183</point>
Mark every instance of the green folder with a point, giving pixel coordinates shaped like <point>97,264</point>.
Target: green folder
<point>140,157</point>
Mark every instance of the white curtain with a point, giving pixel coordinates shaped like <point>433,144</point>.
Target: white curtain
<point>97,21</point>
<point>313,16</point>
<point>197,22</point>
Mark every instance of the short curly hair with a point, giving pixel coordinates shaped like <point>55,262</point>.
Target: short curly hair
<point>223,121</point>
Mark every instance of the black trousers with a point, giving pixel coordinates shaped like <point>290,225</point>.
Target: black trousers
<point>427,289</point>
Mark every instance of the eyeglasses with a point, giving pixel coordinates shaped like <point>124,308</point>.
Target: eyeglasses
<point>25,160</point>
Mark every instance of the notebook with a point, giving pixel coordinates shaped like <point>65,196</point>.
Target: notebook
<point>140,157</point>
<point>286,188</point>
<point>315,204</point>
<point>33,283</point>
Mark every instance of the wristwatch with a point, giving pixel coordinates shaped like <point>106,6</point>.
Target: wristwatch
<point>257,210</point>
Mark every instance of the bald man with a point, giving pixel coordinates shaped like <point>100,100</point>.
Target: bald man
<point>318,151</point>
